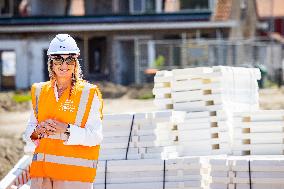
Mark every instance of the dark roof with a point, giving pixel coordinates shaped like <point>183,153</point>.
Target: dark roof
<point>198,16</point>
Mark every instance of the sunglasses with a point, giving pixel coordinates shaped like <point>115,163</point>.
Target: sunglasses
<point>59,60</point>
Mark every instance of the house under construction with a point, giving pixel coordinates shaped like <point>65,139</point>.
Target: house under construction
<point>109,32</point>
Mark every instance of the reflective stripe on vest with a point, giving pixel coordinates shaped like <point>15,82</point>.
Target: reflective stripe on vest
<point>37,94</point>
<point>65,160</point>
<point>83,103</point>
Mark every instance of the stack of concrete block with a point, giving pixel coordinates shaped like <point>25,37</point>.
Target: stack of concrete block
<point>259,133</point>
<point>211,172</point>
<point>116,130</point>
<point>152,135</point>
<point>259,172</point>
<point>246,172</point>
<point>191,173</point>
<point>207,88</point>
<point>205,133</point>
<point>211,89</point>
<point>155,135</point>
<point>162,89</point>
<point>209,95</point>
<point>221,173</point>
<point>100,174</point>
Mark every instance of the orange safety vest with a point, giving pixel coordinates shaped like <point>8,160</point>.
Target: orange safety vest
<point>52,158</point>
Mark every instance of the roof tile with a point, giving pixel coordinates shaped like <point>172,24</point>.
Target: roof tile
<point>222,10</point>
<point>270,8</point>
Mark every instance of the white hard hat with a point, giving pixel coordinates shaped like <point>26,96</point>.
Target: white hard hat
<point>63,44</point>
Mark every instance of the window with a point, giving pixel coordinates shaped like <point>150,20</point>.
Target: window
<point>7,69</point>
<point>194,4</point>
<point>187,5</point>
<point>8,59</point>
<point>6,7</point>
<point>137,6</point>
<point>142,6</point>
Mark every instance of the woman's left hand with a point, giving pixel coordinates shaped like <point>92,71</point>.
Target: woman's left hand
<point>60,127</point>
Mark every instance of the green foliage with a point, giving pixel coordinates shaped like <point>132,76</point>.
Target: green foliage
<point>269,84</point>
<point>21,98</point>
<point>159,62</point>
<point>146,96</point>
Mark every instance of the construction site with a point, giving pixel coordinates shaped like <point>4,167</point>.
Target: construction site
<point>192,90</point>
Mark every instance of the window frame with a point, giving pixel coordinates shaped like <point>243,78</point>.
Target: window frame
<point>10,5</point>
<point>143,7</point>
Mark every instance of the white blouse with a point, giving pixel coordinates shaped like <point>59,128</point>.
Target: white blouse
<point>90,135</point>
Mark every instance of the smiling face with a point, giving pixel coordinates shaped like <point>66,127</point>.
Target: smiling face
<point>63,66</point>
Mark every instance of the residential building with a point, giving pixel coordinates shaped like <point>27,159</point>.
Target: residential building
<point>109,32</point>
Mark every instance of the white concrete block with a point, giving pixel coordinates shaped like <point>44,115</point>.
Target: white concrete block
<point>204,84</point>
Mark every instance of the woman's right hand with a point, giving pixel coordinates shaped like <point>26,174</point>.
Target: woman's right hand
<point>46,128</point>
<point>43,129</point>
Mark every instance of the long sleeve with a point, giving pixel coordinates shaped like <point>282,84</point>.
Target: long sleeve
<point>32,122</point>
<point>91,134</point>
<point>31,125</point>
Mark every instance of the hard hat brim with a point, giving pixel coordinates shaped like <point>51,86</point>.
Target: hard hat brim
<point>63,52</point>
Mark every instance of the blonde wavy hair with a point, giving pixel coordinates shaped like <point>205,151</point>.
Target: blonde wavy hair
<point>77,76</point>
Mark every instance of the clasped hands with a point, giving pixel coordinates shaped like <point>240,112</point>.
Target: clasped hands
<point>50,127</point>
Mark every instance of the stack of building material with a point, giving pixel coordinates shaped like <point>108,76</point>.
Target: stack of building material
<point>116,130</point>
<point>155,173</point>
<point>209,95</point>
<point>162,90</point>
<point>100,174</point>
<point>259,172</point>
<point>246,172</point>
<point>221,173</point>
<point>259,133</point>
<point>211,89</point>
<point>187,172</point>
<point>154,134</point>
<point>207,88</point>
<point>205,133</point>
<point>140,136</point>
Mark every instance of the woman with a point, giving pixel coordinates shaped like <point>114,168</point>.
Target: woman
<point>66,122</point>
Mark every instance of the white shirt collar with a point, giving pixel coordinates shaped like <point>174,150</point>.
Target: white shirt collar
<point>56,92</point>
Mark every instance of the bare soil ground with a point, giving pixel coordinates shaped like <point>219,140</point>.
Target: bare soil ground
<point>271,99</point>
<point>14,116</point>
